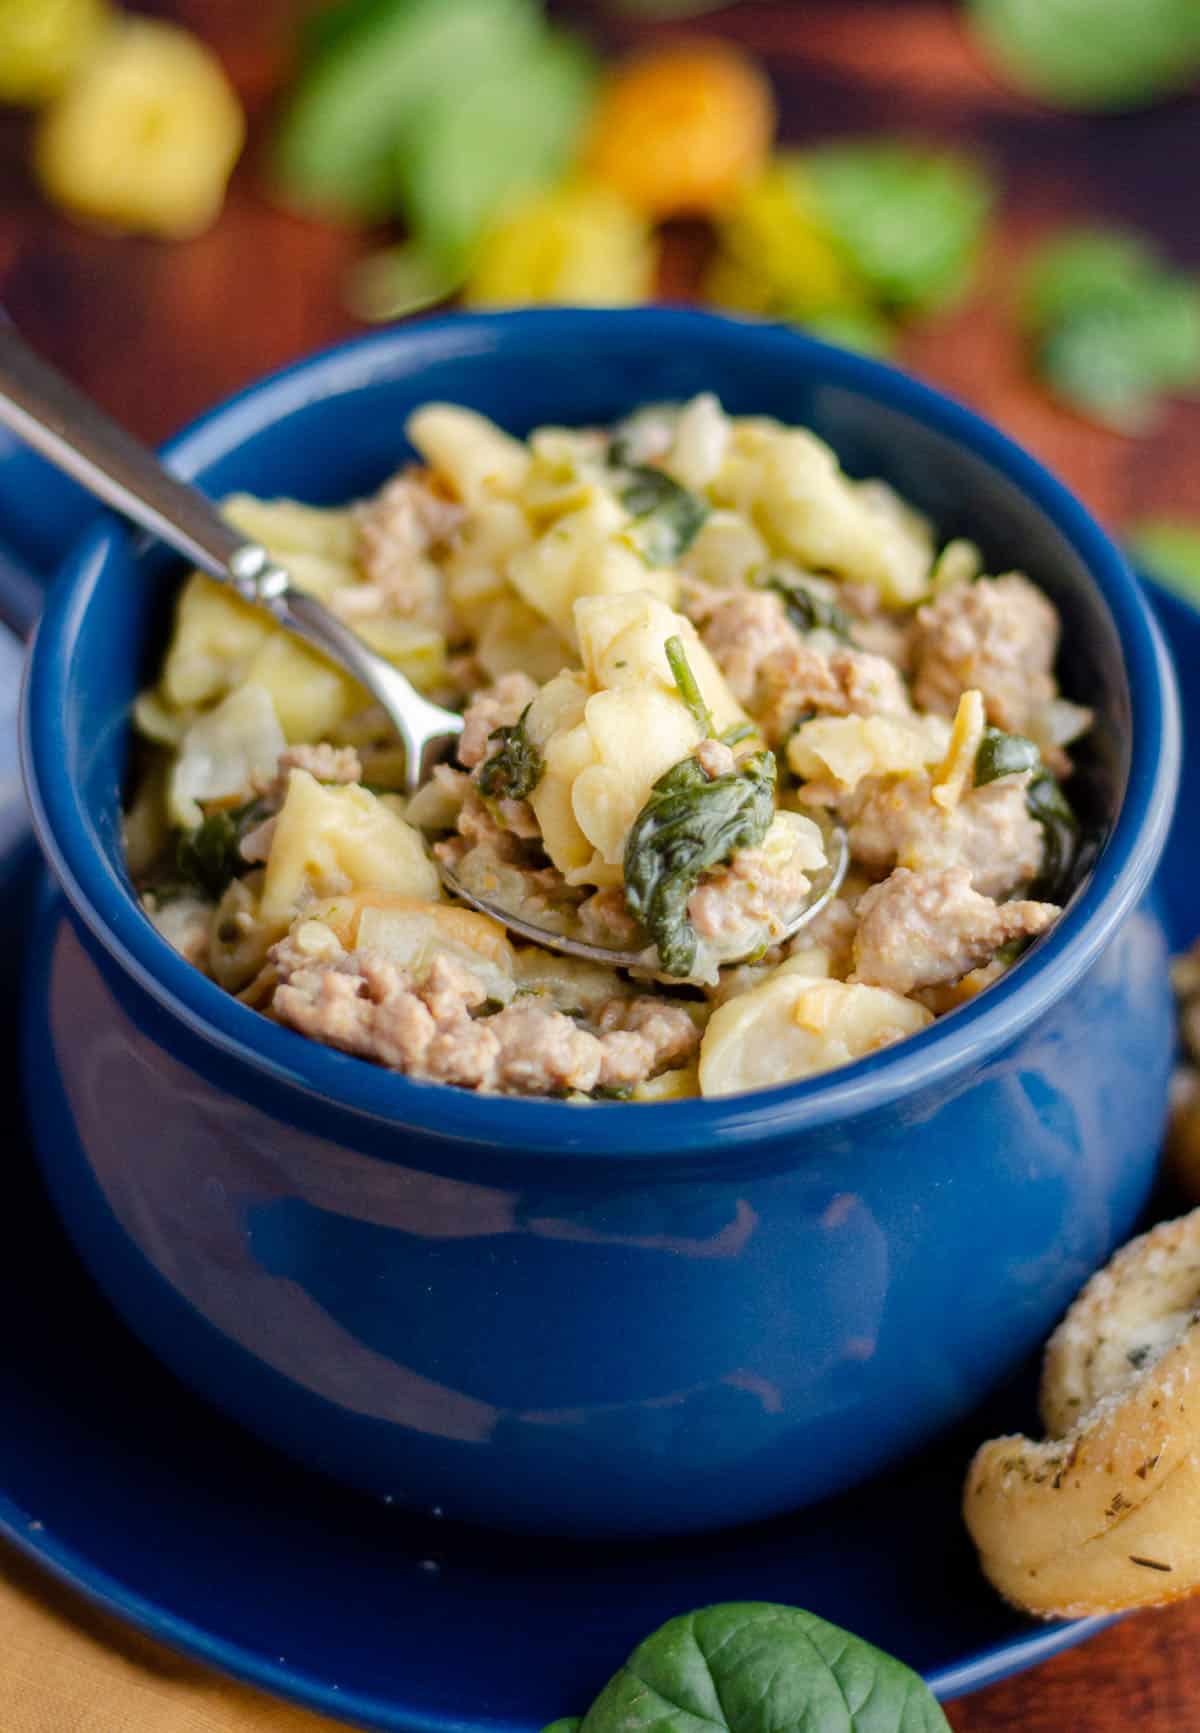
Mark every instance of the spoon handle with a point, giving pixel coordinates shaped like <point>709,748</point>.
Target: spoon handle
<point>48,413</point>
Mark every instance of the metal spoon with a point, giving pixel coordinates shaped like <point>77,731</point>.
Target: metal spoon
<point>48,413</point>
<point>823,887</point>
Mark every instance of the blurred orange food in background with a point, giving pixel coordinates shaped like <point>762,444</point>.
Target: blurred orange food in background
<point>678,130</point>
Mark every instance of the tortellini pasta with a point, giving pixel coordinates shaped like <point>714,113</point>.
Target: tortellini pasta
<point>214,637</point>
<point>792,1026</point>
<point>580,555</point>
<point>633,736</point>
<point>411,933</point>
<point>225,752</point>
<point>480,461</point>
<point>329,840</point>
<point>699,443</point>
<point>513,638</point>
<point>621,725</point>
<point>728,549</point>
<point>789,483</point>
<point>842,750</point>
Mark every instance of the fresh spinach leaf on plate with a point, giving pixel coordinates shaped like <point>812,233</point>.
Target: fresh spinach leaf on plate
<point>1092,54</point>
<point>1113,327</point>
<point>909,220</point>
<point>1079,266</point>
<point>752,1667</point>
<point>516,130</point>
<point>689,824</point>
<point>365,86</point>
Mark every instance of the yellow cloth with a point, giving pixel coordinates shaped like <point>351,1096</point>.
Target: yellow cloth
<point>66,1668</point>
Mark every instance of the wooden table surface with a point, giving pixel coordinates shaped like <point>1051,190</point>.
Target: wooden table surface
<point>159,332</point>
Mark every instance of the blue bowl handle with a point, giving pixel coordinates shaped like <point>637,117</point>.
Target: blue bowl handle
<point>41,515</point>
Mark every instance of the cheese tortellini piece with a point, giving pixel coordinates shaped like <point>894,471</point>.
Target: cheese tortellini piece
<point>632,736</point>
<point>513,638</point>
<point>476,457</point>
<point>609,733</point>
<point>790,483</point>
<point>224,752</point>
<point>580,555</point>
<point>842,750</point>
<point>622,642</point>
<point>329,840</point>
<point>793,1026</point>
<point>318,545</point>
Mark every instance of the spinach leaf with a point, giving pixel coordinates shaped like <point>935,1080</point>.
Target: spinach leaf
<point>364,92</point>
<point>750,1667</point>
<point>209,857</point>
<point>909,220</point>
<point>687,684</point>
<point>1081,266</point>
<point>515,768</point>
<point>1060,832</point>
<point>798,721</point>
<point>1003,754</point>
<point>1092,54</point>
<point>805,608</point>
<point>1112,361</point>
<point>515,129</point>
<point>666,516</point>
<point>688,825</point>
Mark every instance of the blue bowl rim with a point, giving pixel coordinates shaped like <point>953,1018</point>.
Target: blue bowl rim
<point>101,898</point>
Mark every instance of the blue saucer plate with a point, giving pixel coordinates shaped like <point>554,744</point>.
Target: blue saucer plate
<point>126,1486</point>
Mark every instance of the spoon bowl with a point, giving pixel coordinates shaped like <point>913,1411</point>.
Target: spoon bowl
<point>823,887</point>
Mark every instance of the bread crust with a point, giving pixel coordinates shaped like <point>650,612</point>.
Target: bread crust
<point>1104,1515</point>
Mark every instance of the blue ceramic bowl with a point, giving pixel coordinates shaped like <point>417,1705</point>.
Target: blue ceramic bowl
<point>601,1320</point>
